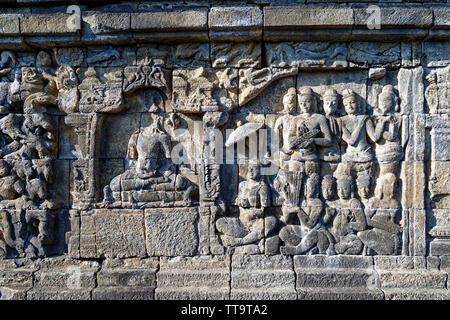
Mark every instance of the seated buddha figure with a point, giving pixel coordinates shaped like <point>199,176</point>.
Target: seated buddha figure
<point>153,181</point>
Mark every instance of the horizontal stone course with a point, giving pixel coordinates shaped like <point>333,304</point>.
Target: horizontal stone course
<point>395,17</point>
<point>201,277</point>
<point>307,17</point>
<point>170,20</point>
<point>46,25</point>
<point>243,23</point>
<point>262,277</point>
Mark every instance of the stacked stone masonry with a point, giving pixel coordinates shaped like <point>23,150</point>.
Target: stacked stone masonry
<point>211,150</point>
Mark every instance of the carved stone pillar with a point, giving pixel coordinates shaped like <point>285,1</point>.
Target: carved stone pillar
<point>85,176</point>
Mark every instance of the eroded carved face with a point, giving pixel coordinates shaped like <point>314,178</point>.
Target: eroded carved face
<point>364,191</point>
<point>441,76</point>
<point>351,105</point>
<point>328,191</point>
<point>312,189</point>
<point>254,172</point>
<point>289,103</point>
<point>330,104</point>
<point>32,75</point>
<point>344,188</point>
<point>307,103</point>
<point>43,59</point>
<point>385,103</point>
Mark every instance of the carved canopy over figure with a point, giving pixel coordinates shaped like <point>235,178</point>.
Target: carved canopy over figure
<point>154,178</point>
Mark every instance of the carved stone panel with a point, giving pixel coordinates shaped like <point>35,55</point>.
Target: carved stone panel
<point>251,150</point>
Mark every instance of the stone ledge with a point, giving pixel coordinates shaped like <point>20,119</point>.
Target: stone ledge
<point>280,23</point>
<point>46,25</point>
<point>166,26</point>
<point>306,17</point>
<point>212,277</point>
<point>396,17</point>
<point>235,23</point>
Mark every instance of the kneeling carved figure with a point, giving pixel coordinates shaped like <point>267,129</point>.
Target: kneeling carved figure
<point>245,234</point>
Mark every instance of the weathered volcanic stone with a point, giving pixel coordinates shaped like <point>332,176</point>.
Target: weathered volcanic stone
<point>171,232</point>
<point>262,277</point>
<point>202,277</point>
<point>120,233</point>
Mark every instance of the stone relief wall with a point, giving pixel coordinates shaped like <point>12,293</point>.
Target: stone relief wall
<point>297,157</point>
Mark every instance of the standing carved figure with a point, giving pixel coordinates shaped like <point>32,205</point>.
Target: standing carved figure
<point>356,128</point>
<point>311,129</point>
<point>41,230</point>
<point>330,106</point>
<point>6,234</point>
<point>286,123</point>
<point>288,182</point>
<point>389,146</point>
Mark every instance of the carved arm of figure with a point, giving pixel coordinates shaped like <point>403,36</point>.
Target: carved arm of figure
<point>388,225</point>
<point>352,137</point>
<point>309,220</point>
<point>392,132</point>
<point>336,128</point>
<point>264,195</point>
<point>330,213</point>
<point>326,140</point>
<point>360,222</point>
<point>242,200</point>
<point>6,229</point>
<point>278,125</point>
<point>375,132</point>
<point>132,145</point>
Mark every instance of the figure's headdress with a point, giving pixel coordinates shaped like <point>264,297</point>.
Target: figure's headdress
<point>306,91</point>
<point>348,93</point>
<point>331,93</point>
